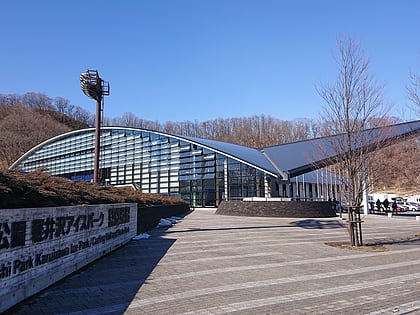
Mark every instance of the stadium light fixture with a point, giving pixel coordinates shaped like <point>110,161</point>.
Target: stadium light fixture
<point>95,88</point>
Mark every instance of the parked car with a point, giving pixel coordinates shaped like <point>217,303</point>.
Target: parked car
<point>401,207</point>
<point>412,206</point>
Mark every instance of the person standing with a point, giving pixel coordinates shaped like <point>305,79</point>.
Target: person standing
<point>378,205</point>
<point>386,204</point>
<point>394,207</point>
<point>372,207</point>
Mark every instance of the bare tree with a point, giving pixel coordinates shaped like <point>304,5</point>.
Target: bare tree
<point>83,115</point>
<point>413,90</point>
<point>22,129</point>
<point>351,102</point>
<point>62,105</point>
<point>37,100</point>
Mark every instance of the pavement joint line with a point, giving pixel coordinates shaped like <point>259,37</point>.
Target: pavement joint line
<point>270,282</point>
<point>285,242</point>
<point>251,304</point>
<point>217,258</point>
<point>207,243</point>
<point>162,262</point>
<point>276,244</point>
<point>261,238</point>
<point>284,264</point>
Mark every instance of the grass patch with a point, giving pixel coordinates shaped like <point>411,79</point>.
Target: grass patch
<point>39,189</point>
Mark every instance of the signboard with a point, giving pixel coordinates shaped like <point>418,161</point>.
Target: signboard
<point>40,246</point>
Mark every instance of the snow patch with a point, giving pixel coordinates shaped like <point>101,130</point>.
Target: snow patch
<point>141,236</point>
<point>162,223</point>
<point>168,221</point>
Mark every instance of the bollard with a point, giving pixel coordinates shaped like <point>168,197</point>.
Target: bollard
<point>417,217</point>
<point>389,215</point>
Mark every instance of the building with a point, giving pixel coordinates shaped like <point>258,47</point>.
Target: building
<point>202,172</point>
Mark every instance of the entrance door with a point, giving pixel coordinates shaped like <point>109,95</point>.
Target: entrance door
<point>198,192</point>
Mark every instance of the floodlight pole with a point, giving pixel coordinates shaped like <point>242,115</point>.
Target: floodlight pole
<point>94,87</point>
<point>98,121</point>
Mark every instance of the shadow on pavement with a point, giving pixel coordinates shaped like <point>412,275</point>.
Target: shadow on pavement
<point>400,241</point>
<point>107,285</point>
<point>318,224</point>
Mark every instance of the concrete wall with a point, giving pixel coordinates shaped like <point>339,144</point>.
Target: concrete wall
<point>148,216</point>
<point>40,246</point>
<point>286,209</point>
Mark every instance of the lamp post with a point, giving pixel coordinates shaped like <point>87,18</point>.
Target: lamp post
<point>94,87</point>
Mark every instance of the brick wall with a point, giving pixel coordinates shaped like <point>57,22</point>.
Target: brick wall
<point>286,209</point>
<point>39,246</point>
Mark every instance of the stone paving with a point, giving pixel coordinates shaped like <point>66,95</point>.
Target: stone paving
<point>213,264</point>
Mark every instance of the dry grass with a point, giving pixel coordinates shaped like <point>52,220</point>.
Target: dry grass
<point>38,189</point>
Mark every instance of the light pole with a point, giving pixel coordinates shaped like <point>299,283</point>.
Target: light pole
<point>94,87</point>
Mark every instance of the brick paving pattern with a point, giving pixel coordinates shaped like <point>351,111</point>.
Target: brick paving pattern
<point>213,264</point>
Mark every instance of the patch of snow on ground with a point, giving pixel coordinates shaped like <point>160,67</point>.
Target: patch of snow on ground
<point>162,223</point>
<point>168,221</point>
<point>141,236</point>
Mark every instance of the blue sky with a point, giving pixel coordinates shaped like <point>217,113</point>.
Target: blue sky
<point>177,60</point>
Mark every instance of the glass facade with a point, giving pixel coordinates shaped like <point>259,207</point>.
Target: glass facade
<point>153,162</point>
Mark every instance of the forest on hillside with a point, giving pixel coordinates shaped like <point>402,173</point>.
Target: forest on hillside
<point>29,119</point>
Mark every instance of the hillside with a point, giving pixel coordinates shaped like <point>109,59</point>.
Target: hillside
<point>29,119</point>
<point>396,169</point>
<point>21,128</point>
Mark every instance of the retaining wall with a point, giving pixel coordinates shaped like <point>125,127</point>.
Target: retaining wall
<point>286,209</point>
<point>39,246</point>
<point>148,216</point>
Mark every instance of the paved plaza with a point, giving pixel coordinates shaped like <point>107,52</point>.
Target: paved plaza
<point>213,264</point>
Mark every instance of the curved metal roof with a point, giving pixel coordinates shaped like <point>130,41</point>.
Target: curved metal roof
<point>301,157</point>
<point>246,154</point>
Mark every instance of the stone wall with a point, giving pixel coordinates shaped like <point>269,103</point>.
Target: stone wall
<point>39,246</point>
<point>286,209</point>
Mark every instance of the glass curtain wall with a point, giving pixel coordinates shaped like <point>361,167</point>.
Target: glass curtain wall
<point>153,163</point>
